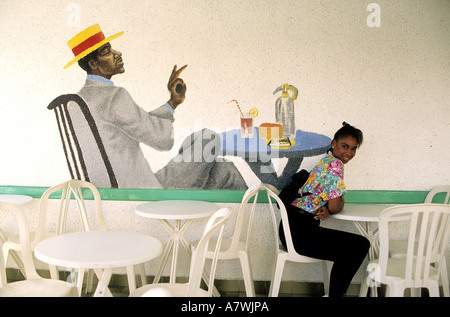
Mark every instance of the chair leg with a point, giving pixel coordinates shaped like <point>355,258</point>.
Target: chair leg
<point>80,279</point>
<point>14,256</point>
<point>395,290</point>
<point>54,275</point>
<point>131,279</point>
<point>143,276</point>
<point>433,289</point>
<point>5,254</point>
<point>374,290</point>
<point>248,276</point>
<point>276,277</point>
<point>444,279</point>
<point>89,281</point>
<point>326,268</point>
<point>416,292</point>
<point>365,285</point>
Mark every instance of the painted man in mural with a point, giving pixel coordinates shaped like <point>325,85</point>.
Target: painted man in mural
<point>123,125</point>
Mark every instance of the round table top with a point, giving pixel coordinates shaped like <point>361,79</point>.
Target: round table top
<point>176,209</point>
<point>306,144</point>
<point>16,199</point>
<point>361,212</point>
<point>98,249</point>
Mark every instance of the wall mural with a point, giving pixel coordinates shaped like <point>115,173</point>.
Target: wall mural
<point>102,129</point>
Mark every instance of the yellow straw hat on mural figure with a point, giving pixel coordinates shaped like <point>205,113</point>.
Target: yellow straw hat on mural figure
<point>88,41</point>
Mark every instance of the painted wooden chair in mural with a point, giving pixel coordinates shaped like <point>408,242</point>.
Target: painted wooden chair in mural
<point>79,135</point>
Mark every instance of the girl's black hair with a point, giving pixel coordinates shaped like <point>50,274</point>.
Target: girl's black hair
<point>347,130</point>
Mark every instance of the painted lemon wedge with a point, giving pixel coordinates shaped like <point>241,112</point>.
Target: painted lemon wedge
<point>253,112</point>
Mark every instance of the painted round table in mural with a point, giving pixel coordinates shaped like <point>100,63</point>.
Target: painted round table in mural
<point>259,155</point>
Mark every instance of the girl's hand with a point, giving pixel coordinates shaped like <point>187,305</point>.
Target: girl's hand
<point>323,213</point>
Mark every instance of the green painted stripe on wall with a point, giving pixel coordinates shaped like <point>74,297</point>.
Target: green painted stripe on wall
<point>224,196</point>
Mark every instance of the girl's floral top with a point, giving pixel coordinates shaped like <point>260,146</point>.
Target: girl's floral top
<point>325,182</point>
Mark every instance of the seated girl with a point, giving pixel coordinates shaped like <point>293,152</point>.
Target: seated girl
<point>326,189</point>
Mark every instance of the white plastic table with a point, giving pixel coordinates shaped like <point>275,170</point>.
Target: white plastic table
<point>365,217</point>
<point>20,200</point>
<point>101,251</point>
<point>178,211</point>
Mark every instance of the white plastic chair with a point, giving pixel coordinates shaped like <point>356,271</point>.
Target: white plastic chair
<point>282,255</point>
<point>80,189</point>
<point>43,231</point>
<point>427,242</point>
<point>34,285</point>
<point>236,247</point>
<point>397,248</point>
<point>215,226</point>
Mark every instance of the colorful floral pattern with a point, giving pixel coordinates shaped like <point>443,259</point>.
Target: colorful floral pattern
<point>325,182</point>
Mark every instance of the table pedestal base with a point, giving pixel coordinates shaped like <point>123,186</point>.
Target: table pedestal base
<point>370,231</point>
<point>176,233</point>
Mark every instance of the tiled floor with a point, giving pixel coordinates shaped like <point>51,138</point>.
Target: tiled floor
<point>235,288</point>
<point>227,288</point>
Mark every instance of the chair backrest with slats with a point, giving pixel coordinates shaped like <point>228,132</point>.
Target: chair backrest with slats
<point>272,195</point>
<point>24,233</point>
<point>439,194</point>
<point>245,216</point>
<point>247,211</point>
<point>61,211</point>
<point>80,190</point>
<point>214,227</point>
<point>443,191</point>
<point>427,240</point>
<point>82,144</point>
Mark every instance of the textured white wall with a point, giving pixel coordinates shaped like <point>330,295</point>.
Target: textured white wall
<point>391,81</point>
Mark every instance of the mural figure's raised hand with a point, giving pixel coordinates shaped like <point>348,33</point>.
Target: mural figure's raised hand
<point>177,87</point>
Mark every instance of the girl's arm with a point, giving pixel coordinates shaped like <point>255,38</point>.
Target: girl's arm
<point>335,205</point>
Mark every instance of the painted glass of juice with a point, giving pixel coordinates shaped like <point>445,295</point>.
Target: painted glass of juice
<point>246,126</point>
